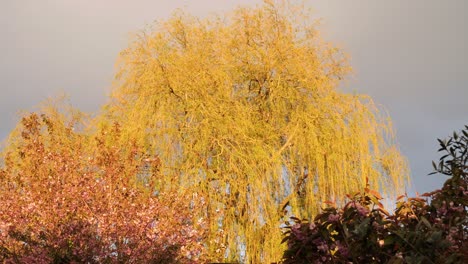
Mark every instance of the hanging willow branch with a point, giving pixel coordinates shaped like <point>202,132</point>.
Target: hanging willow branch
<point>257,126</point>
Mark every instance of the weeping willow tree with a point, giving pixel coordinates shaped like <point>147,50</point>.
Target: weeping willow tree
<point>244,110</point>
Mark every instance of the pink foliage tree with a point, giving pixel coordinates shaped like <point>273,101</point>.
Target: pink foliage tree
<point>68,197</point>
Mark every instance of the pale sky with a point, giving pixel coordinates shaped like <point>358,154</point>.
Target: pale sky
<point>410,56</point>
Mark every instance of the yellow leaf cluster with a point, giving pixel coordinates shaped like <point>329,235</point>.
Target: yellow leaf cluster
<point>244,110</point>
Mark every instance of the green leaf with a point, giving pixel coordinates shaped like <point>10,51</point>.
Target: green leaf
<point>426,222</point>
<point>390,240</point>
<point>442,144</point>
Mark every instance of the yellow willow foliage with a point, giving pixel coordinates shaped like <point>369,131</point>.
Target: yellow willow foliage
<point>244,110</point>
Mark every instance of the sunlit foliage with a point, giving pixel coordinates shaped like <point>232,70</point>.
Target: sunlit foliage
<point>244,110</point>
<point>427,229</point>
<point>71,197</point>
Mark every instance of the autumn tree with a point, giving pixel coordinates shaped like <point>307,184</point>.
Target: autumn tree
<point>244,110</point>
<point>71,196</point>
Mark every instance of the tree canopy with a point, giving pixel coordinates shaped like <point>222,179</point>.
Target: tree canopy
<point>245,111</point>
<point>71,197</point>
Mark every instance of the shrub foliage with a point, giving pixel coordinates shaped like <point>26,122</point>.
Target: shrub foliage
<point>427,229</point>
<point>70,198</point>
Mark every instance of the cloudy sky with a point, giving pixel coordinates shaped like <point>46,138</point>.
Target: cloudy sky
<point>410,56</point>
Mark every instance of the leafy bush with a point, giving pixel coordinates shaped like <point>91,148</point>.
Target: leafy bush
<point>432,229</point>
<point>67,197</point>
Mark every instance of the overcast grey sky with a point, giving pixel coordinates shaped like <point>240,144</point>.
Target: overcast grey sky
<point>410,56</point>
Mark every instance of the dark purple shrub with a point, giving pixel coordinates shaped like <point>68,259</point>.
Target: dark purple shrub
<point>427,229</point>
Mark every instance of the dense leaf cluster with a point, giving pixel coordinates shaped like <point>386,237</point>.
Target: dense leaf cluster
<point>432,229</point>
<point>67,197</point>
<point>244,110</point>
